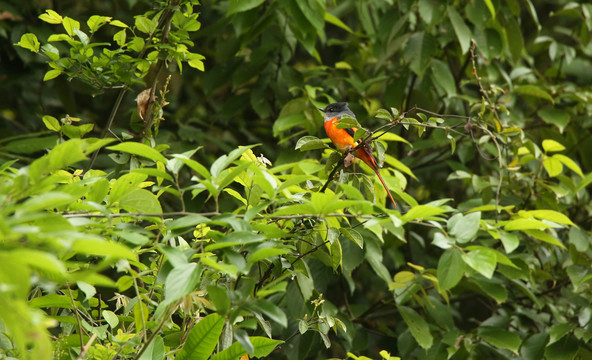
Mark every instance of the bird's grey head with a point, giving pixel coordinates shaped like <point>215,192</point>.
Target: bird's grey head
<point>336,110</point>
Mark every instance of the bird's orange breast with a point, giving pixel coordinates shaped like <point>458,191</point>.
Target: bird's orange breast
<point>339,137</point>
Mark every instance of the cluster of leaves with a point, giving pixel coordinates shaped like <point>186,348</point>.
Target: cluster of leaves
<point>172,250</point>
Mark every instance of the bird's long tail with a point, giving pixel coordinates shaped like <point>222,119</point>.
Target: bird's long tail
<point>369,160</point>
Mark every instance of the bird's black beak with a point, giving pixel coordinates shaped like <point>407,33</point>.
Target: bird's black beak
<point>323,110</point>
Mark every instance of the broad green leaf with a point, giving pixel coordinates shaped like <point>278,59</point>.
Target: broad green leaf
<point>42,260</point>
<point>509,241</point>
<point>224,161</point>
<point>101,247</point>
<point>52,74</point>
<point>236,238</point>
<point>550,215</point>
<point>451,269</point>
<point>543,236</point>
<point>491,289</point>
<point>48,200</point>
<point>558,331</point>
<point>155,350</point>
<point>51,17</point>
<point>553,166</point>
<point>236,6</point>
<point>558,117</point>
<point>266,253</point>
<point>51,123</point>
<point>419,51</point>
<point>533,90</point>
<point>417,325</point>
<point>462,31</point>
<point>111,318</point>
<point>197,167</point>
<point>501,338</point>
<point>51,300</point>
<point>353,235</point>
<point>181,281</point>
<point>533,347</point>
<point>422,211</point>
<point>141,201</point>
<point>552,146</point>
<point>139,149</point>
<point>569,163</point>
<point>29,41</point>
<point>186,221</point>
<point>270,310</point>
<point>464,227</point>
<point>202,339</point>
<point>442,76</point>
<point>263,347</point>
<point>580,239</point>
<point>69,25</point>
<point>219,298</point>
<point>96,21</point>
<point>482,260</point>
<point>525,224</point>
<point>76,131</point>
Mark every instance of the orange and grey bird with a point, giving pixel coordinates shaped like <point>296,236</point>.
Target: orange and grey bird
<point>344,138</point>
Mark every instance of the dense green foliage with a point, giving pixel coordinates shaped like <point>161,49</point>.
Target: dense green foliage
<point>205,218</point>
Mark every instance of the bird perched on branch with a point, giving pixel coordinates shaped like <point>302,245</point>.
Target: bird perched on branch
<point>343,139</point>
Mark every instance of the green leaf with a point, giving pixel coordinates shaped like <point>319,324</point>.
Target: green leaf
<point>69,25</point>
<point>96,21</point>
<point>101,247</point>
<point>266,253</point>
<point>202,339</point>
<point>52,74</point>
<point>47,200</point>
<point>219,299</point>
<point>462,31</point>
<point>550,215</point>
<point>422,211</point>
<point>464,227</point>
<point>501,338</point>
<point>119,37</point>
<point>543,236</point>
<point>263,347</point>
<point>442,76</point>
<point>353,235</point>
<point>509,241</point>
<point>51,123</point>
<point>181,281</point>
<point>236,6</point>
<point>482,260</point>
<point>553,166</point>
<point>194,165</point>
<point>419,51</point>
<point>145,25</point>
<point>111,318</point>
<point>533,348</point>
<point>558,331</point>
<point>155,350</point>
<point>29,41</point>
<point>139,149</point>
<point>525,224</point>
<point>451,269</point>
<point>569,163</point>
<point>580,239</point>
<point>558,117</point>
<point>552,146</point>
<point>534,91</point>
<point>76,131</point>
<point>336,254</point>
<point>236,238</point>
<point>332,19</point>
<point>51,17</point>
<point>417,325</point>
<point>267,308</point>
<point>141,201</point>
